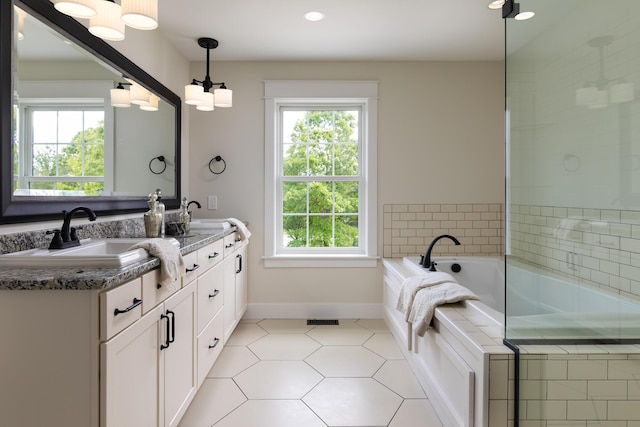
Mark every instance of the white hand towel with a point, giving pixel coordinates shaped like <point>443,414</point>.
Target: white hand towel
<point>411,286</point>
<point>171,262</point>
<point>426,301</point>
<point>242,229</point>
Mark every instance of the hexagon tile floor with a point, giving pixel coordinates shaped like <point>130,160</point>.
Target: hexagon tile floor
<point>283,373</point>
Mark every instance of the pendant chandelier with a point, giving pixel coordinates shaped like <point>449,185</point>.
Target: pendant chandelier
<point>198,91</point>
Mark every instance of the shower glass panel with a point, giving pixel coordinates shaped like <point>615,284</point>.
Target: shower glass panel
<point>573,173</point>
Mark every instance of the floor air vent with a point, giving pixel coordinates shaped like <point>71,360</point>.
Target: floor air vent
<point>316,322</point>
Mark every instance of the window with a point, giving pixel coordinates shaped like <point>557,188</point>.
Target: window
<point>320,168</point>
<point>63,151</point>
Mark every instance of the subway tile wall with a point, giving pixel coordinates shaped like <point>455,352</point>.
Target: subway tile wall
<point>409,228</point>
<point>595,386</point>
<point>598,247</point>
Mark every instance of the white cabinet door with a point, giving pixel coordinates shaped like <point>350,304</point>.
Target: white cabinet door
<point>229,294</point>
<point>241,282</point>
<point>131,362</point>
<point>179,357</point>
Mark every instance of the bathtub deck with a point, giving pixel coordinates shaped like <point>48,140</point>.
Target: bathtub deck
<point>466,342</point>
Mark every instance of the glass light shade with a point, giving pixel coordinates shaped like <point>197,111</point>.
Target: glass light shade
<point>496,4</point>
<point>140,14</point>
<point>139,95</point>
<point>152,105</point>
<point>20,14</point>
<point>193,94</point>
<point>76,8</point>
<point>120,98</point>
<point>107,23</point>
<point>586,96</point>
<point>207,102</point>
<point>622,92</point>
<point>224,97</point>
<point>523,16</point>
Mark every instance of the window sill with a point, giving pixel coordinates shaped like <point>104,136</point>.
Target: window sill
<point>311,261</point>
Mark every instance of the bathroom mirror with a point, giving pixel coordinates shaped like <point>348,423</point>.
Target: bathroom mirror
<point>62,142</point>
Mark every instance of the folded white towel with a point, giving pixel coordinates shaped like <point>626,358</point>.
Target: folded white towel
<point>242,229</point>
<point>411,286</point>
<point>426,301</point>
<point>171,262</point>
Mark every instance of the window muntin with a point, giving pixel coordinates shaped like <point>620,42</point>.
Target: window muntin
<point>64,151</point>
<point>320,178</point>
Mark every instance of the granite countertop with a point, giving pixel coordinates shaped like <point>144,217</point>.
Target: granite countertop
<point>34,278</point>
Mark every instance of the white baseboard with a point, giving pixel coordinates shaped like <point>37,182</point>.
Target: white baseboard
<point>314,311</point>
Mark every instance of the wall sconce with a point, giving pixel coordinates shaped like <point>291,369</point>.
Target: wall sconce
<point>107,19</point>
<point>602,92</point>
<point>200,96</point>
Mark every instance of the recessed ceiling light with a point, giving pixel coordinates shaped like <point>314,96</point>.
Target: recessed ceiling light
<point>523,16</point>
<point>496,4</point>
<point>314,16</point>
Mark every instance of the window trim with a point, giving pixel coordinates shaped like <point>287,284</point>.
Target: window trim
<point>337,93</point>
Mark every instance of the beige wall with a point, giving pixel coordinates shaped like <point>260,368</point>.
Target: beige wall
<point>440,140</point>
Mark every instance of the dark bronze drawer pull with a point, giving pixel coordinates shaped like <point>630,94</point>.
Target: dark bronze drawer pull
<point>136,302</point>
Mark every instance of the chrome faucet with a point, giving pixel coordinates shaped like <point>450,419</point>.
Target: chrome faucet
<point>425,260</point>
<point>66,237</point>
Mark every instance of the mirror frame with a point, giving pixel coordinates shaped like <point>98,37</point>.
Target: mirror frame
<point>17,211</point>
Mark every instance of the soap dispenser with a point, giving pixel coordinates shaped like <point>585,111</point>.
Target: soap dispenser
<point>161,209</point>
<point>183,217</point>
<point>153,217</point>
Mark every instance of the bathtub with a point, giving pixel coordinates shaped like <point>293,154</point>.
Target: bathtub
<point>550,308</point>
<point>461,362</point>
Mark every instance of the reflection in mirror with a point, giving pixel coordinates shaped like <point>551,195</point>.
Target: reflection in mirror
<point>70,144</point>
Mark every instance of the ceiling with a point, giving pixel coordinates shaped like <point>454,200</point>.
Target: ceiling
<point>353,30</point>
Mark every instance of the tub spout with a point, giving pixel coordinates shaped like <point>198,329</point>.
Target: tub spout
<point>425,260</point>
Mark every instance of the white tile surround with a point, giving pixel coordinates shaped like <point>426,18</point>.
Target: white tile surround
<point>409,228</point>
<point>281,372</point>
<point>598,247</point>
<point>580,386</point>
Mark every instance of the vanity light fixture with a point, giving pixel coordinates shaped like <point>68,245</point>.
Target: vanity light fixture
<point>200,96</point>
<point>602,92</point>
<point>140,14</point>
<point>120,97</point>
<point>153,103</point>
<point>21,13</point>
<point>139,95</point>
<point>76,8</point>
<point>107,22</point>
<point>107,19</point>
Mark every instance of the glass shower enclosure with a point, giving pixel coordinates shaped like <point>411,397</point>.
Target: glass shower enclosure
<point>572,211</point>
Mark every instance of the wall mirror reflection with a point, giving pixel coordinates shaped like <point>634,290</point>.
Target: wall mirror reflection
<point>72,142</point>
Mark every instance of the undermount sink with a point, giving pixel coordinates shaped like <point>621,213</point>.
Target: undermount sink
<point>209,224</point>
<point>113,252</point>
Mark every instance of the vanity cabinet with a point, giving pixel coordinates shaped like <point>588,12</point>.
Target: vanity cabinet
<point>132,355</point>
<point>235,283</point>
<point>151,365</point>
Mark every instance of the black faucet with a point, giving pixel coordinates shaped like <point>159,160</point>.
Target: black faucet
<point>425,260</point>
<point>189,204</point>
<point>67,238</point>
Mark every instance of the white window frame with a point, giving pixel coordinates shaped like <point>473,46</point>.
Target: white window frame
<point>364,95</point>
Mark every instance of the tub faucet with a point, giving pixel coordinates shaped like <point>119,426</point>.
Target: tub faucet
<point>66,237</point>
<point>425,260</point>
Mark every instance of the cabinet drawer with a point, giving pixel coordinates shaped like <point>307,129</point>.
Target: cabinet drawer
<point>120,307</point>
<point>210,255</point>
<point>230,243</point>
<point>210,295</point>
<point>209,346</point>
<point>152,293</point>
<point>191,265</point>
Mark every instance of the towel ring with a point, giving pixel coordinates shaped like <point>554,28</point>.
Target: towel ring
<point>218,159</point>
<point>160,159</point>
